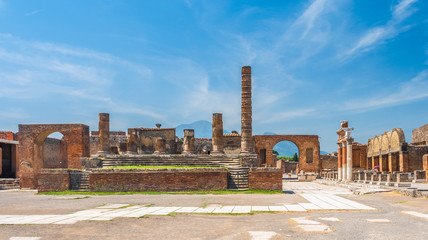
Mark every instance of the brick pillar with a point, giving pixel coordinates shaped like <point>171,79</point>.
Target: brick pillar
<point>403,161</point>
<point>383,160</point>
<point>160,146</point>
<point>344,155</point>
<point>188,141</point>
<point>104,133</point>
<point>247,145</point>
<point>349,159</point>
<point>425,166</point>
<point>339,161</point>
<point>392,162</point>
<point>131,141</point>
<point>217,138</point>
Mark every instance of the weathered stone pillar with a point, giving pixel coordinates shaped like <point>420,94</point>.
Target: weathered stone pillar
<point>383,159</point>
<point>217,138</point>
<point>247,145</point>
<point>425,165</point>
<point>131,142</point>
<point>1,158</point>
<point>403,161</point>
<point>188,141</point>
<point>344,155</point>
<point>349,159</point>
<point>104,133</point>
<point>160,146</point>
<point>339,161</point>
<point>392,162</point>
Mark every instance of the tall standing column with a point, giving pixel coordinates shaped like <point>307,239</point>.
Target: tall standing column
<point>247,145</point>
<point>339,162</point>
<point>349,159</point>
<point>217,138</point>
<point>188,141</point>
<point>1,158</point>
<point>104,133</point>
<point>344,160</point>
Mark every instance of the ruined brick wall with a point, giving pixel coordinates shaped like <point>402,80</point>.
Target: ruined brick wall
<point>117,142</point>
<point>328,162</point>
<point>54,153</point>
<point>8,135</point>
<point>416,154</point>
<point>232,143</point>
<point>420,135</point>
<point>147,137</point>
<point>202,144</point>
<point>289,166</point>
<point>158,180</point>
<point>53,180</point>
<point>265,179</point>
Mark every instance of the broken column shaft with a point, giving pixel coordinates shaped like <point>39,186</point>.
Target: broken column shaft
<point>188,141</point>
<point>217,137</point>
<point>246,113</point>
<point>104,133</point>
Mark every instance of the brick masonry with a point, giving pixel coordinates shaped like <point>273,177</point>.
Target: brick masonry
<point>158,180</point>
<point>54,180</point>
<point>265,179</point>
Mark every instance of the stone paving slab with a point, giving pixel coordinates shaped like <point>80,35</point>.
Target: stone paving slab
<point>416,214</point>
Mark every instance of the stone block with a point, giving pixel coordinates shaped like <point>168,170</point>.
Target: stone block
<point>265,179</point>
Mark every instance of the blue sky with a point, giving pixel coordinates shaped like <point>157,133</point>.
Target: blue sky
<point>314,63</point>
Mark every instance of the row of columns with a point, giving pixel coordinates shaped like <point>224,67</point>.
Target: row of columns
<point>390,162</point>
<point>344,158</point>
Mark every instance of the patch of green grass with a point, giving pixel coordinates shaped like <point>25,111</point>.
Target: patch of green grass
<point>215,192</point>
<point>165,167</point>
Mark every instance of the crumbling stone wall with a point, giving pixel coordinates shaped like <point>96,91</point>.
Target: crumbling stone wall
<point>328,162</point>
<point>54,153</point>
<point>232,143</point>
<point>146,138</point>
<point>117,142</point>
<point>420,135</point>
<point>416,154</point>
<point>203,145</point>
<point>53,180</point>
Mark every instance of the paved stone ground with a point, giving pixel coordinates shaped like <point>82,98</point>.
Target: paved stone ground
<point>308,211</point>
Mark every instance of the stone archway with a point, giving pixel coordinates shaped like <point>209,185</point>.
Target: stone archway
<point>30,150</point>
<point>308,145</point>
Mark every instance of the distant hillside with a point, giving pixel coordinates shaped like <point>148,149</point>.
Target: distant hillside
<point>203,129</point>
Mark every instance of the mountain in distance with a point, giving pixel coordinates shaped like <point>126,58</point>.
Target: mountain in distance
<point>203,129</point>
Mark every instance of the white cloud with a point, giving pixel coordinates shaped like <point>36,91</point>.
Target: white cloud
<point>309,17</point>
<point>415,89</point>
<point>380,34</point>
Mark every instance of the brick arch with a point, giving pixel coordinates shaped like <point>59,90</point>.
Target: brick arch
<point>30,150</point>
<point>303,142</point>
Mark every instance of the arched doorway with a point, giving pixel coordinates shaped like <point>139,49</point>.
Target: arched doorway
<point>30,150</point>
<point>286,156</point>
<point>55,151</point>
<point>308,146</point>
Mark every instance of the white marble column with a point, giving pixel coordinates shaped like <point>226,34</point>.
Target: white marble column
<point>349,160</point>
<point>344,154</point>
<point>339,161</point>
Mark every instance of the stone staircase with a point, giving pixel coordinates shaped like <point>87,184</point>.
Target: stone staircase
<point>79,180</point>
<point>9,183</point>
<point>238,178</point>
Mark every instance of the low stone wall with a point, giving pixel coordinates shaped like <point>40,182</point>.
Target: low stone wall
<point>109,180</point>
<point>265,179</point>
<point>53,180</point>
